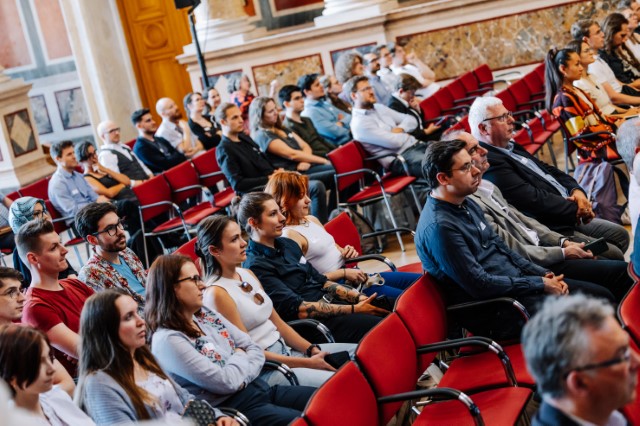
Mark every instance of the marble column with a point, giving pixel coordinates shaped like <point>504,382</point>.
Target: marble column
<point>341,11</point>
<point>103,63</point>
<point>222,23</point>
<point>22,160</point>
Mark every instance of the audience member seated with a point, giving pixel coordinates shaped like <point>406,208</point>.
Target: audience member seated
<point>239,89</point>
<point>621,94</point>
<point>533,240</point>
<point>628,141</point>
<point>408,63</point>
<point>385,132</point>
<point>404,100</point>
<point>111,184</point>
<point>535,188</point>
<point>289,190</point>
<point>292,101</point>
<point>112,264</point>
<point>154,151</point>
<point>237,295</point>
<point>175,130</point>
<point>588,84</point>
<point>386,60</point>
<point>371,68</point>
<point>37,383</point>
<point>633,40</point>
<point>202,126</point>
<point>582,362</point>
<point>22,211</point>
<point>615,53</point>
<point>6,234</point>
<point>461,251</point>
<point>297,289</point>
<point>332,124</point>
<point>117,156</point>
<point>246,167</point>
<point>120,380</point>
<point>284,148</point>
<point>348,65</point>
<point>208,355</point>
<point>213,101</point>
<point>52,305</point>
<point>577,112</point>
<point>332,88</point>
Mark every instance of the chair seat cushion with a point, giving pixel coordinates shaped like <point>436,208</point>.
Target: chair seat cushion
<point>497,407</point>
<point>392,185</point>
<point>223,198</point>
<point>197,213</point>
<point>412,267</point>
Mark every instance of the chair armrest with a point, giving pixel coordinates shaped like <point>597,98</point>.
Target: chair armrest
<point>488,303</point>
<point>377,257</point>
<point>235,414</point>
<point>212,174</point>
<point>317,325</point>
<point>283,369</point>
<point>189,188</point>
<point>388,231</point>
<point>587,135</point>
<point>518,73</point>
<point>466,99</point>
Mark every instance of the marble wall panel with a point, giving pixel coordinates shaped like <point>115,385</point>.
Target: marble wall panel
<point>287,72</point>
<point>502,42</point>
<point>14,48</point>
<point>52,29</point>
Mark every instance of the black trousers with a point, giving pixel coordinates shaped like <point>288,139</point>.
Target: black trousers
<point>610,274</point>
<point>263,405</point>
<point>351,328</point>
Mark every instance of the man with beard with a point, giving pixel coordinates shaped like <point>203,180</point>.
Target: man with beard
<point>112,265</point>
<point>176,130</point>
<point>371,68</point>
<point>154,151</point>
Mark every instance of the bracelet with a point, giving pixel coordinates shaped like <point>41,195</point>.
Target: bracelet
<point>353,309</point>
<point>310,348</point>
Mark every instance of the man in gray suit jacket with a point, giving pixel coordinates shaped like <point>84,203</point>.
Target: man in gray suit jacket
<point>533,240</point>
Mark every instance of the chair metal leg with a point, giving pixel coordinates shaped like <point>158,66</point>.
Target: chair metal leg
<point>549,144</point>
<point>385,197</point>
<point>415,199</point>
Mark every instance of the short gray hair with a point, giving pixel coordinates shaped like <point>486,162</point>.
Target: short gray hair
<point>479,112</point>
<point>627,140</point>
<point>555,341</point>
<point>344,65</point>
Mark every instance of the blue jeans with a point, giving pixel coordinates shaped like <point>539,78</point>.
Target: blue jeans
<point>394,284</point>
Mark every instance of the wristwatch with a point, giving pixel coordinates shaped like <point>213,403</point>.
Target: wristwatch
<point>310,348</point>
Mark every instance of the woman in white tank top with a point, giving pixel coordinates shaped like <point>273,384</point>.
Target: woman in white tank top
<point>289,189</point>
<point>237,294</point>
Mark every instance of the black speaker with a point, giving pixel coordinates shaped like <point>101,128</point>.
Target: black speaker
<point>181,4</point>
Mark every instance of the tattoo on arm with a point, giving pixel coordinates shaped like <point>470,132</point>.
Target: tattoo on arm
<point>321,309</point>
<point>342,292</point>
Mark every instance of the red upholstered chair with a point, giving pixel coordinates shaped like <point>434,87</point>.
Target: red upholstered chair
<point>387,357</point>
<point>185,185</point>
<point>131,143</point>
<point>424,313</point>
<point>189,249</point>
<point>445,98</point>
<point>38,189</point>
<point>485,76</point>
<point>459,92</point>
<point>210,175</point>
<point>349,163</point>
<point>13,195</point>
<point>470,83</point>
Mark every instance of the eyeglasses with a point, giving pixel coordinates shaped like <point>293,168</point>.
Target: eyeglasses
<point>501,118</point>
<point>366,89</point>
<point>111,230</point>
<point>248,288</point>
<point>464,169</point>
<point>195,278</point>
<point>117,129</point>
<point>12,293</point>
<point>626,357</point>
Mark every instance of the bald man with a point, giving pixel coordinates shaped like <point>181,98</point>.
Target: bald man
<point>117,156</point>
<point>175,130</point>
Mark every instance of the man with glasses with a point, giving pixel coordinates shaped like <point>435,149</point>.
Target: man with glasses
<point>537,189</point>
<point>371,68</point>
<point>112,263</point>
<point>117,156</point>
<point>582,362</point>
<point>383,131</point>
<point>461,251</point>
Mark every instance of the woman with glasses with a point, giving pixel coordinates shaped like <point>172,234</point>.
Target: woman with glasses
<point>297,289</point>
<point>120,380</point>
<point>289,189</point>
<point>27,365</point>
<point>207,354</point>
<point>104,181</point>
<point>22,211</point>
<point>237,294</point>
<point>577,112</point>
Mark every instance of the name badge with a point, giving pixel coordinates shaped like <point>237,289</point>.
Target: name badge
<point>303,260</point>
<point>483,226</point>
<point>74,192</point>
<point>523,160</point>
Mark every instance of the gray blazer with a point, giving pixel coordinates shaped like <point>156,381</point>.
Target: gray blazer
<point>548,252</point>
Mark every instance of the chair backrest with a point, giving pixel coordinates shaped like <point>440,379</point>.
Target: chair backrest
<point>347,158</point>
<point>387,357</point>
<point>534,82</point>
<point>629,314</point>
<point>430,108</point>
<point>345,399</point>
<point>38,189</point>
<point>189,249</point>
<point>344,231</point>
<point>457,89</point>
<point>507,100</point>
<point>469,81</point>
<point>150,192</point>
<point>483,74</point>
<point>540,69</point>
<point>206,164</point>
<point>131,143</point>
<point>521,94</point>
<point>444,98</point>
<point>13,195</point>
<point>424,313</point>
<point>59,225</point>
<point>182,176</point>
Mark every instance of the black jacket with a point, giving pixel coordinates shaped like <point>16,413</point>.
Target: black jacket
<point>243,164</point>
<point>418,133</point>
<point>159,155</point>
<point>530,193</point>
